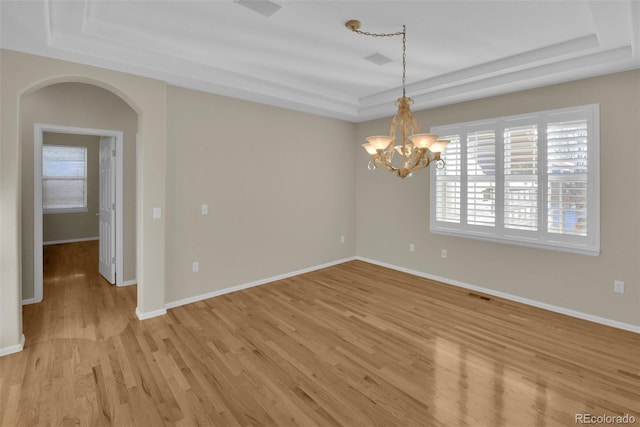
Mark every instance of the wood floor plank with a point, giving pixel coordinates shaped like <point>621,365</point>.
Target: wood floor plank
<point>349,345</point>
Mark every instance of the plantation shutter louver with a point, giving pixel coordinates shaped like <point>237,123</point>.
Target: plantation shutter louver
<point>448,187</point>
<point>481,178</point>
<point>521,178</point>
<point>567,163</point>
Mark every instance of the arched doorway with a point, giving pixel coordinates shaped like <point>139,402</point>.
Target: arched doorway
<point>24,74</point>
<point>77,108</point>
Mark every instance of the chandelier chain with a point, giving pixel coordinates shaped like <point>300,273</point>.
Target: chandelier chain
<point>404,60</point>
<point>366,33</point>
<point>402,33</point>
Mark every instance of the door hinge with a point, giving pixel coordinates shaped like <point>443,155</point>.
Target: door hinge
<point>113,206</point>
<point>113,153</point>
<point>113,260</point>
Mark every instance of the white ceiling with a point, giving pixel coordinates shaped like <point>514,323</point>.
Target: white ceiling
<point>302,57</point>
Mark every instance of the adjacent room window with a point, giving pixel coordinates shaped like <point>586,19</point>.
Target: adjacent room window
<point>64,179</point>
<point>530,179</point>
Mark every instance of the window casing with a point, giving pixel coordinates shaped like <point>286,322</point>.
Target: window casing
<point>530,180</point>
<point>64,179</point>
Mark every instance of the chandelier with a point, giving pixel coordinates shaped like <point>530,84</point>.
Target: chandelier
<point>416,150</point>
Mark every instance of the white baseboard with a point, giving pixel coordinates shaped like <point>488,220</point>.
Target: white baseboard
<point>33,300</point>
<point>84,239</point>
<point>254,283</point>
<point>128,283</point>
<point>13,348</point>
<point>527,301</point>
<point>150,314</point>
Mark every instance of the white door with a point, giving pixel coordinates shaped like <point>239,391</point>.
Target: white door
<point>107,208</point>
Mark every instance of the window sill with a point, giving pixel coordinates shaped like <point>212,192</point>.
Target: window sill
<point>530,243</point>
<point>64,211</point>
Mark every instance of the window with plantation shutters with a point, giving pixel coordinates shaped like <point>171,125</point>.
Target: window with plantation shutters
<point>64,179</point>
<point>530,180</point>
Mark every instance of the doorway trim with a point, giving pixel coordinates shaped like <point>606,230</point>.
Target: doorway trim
<point>39,130</point>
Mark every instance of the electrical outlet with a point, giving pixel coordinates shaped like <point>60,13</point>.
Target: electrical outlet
<point>341,239</point>
<point>411,247</point>
<point>195,267</point>
<point>618,286</point>
<point>443,253</point>
<point>204,209</point>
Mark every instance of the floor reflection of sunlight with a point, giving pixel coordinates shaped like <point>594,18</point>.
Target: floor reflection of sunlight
<point>472,389</point>
<point>66,277</point>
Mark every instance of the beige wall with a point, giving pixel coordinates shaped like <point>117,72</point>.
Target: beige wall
<point>22,74</point>
<point>279,185</point>
<point>391,213</point>
<point>86,106</point>
<point>267,215</point>
<point>76,225</point>
<point>282,187</point>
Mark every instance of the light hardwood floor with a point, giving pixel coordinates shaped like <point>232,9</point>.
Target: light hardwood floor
<point>350,345</point>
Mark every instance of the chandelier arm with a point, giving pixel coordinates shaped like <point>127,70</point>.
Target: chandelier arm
<point>404,127</point>
<point>419,164</point>
<point>413,125</point>
<point>388,157</point>
<point>426,160</point>
<point>389,166</point>
<point>392,128</point>
<point>417,158</point>
<point>392,133</point>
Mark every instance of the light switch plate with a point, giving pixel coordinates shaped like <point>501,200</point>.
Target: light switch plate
<point>157,213</point>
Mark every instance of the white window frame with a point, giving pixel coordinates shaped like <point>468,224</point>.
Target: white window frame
<point>84,208</point>
<point>586,245</point>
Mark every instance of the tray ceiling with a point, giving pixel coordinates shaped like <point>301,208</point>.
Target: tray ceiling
<point>302,57</point>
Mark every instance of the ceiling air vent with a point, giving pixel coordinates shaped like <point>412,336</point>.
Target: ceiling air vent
<point>263,7</point>
<point>378,59</point>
